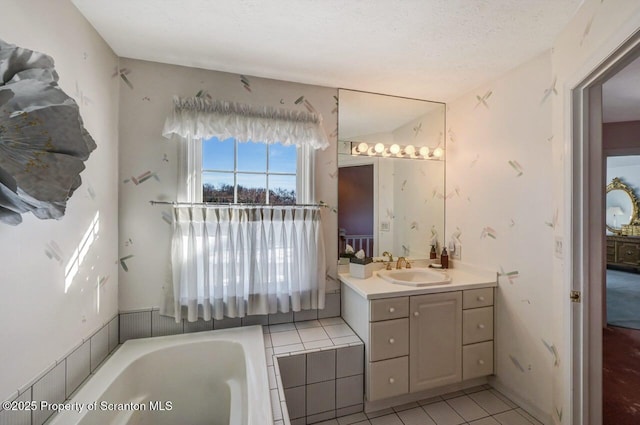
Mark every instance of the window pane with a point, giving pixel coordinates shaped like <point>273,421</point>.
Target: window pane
<point>282,159</point>
<point>252,157</point>
<point>252,188</point>
<point>217,155</point>
<point>282,189</point>
<point>217,187</point>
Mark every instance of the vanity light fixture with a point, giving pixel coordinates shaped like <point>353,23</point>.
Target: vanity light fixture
<point>397,151</point>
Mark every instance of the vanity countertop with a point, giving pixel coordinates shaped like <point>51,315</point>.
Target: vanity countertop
<point>375,287</point>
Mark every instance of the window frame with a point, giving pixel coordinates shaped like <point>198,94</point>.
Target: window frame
<point>190,172</point>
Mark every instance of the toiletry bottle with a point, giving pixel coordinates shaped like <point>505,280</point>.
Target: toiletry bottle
<point>433,254</point>
<point>444,259</point>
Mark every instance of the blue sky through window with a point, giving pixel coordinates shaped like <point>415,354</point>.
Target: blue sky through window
<point>219,166</point>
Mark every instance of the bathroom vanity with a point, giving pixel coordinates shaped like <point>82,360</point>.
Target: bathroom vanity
<point>421,338</point>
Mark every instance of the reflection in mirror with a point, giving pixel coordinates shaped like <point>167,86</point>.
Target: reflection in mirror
<point>390,182</point>
<point>621,206</point>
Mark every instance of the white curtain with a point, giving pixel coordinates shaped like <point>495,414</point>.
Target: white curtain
<point>200,118</point>
<point>241,260</point>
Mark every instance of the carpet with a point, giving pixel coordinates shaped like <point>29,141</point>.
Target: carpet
<point>621,376</point>
<point>623,299</point>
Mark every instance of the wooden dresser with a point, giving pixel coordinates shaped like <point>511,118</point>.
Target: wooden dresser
<point>623,251</point>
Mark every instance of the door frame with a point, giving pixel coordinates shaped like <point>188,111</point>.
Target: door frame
<point>584,214</point>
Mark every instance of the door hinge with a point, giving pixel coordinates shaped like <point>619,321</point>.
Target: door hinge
<point>575,296</point>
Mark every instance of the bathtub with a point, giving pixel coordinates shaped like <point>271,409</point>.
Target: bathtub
<point>216,377</point>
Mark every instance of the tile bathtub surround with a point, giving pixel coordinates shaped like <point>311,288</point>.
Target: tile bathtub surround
<point>456,408</point>
<point>318,377</point>
<point>57,383</point>
<point>146,323</point>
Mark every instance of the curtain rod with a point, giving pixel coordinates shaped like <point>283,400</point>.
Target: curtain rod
<point>211,204</point>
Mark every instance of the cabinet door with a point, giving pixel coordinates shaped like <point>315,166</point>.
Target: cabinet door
<point>435,328</point>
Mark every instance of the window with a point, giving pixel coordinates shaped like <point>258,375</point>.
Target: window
<point>252,173</point>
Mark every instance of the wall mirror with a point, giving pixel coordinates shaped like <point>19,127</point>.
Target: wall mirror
<point>391,174</point>
<point>621,206</point>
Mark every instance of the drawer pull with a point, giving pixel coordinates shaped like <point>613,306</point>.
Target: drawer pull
<point>416,313</point>
<point>391,340</point>
<point>391,380</point>
<point>480,298</point>
<point>480,326</point>
<point>629,252</point>
<point>481,362</point>
<point>391,309</point>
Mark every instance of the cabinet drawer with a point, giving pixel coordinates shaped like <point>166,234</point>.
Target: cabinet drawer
<point>389,339</point>
<point>477,325</point>
<point>628,253</point>
<point>388,378</point>
<point>474,298</point>
<point>477,360</point>
<point>390,308</point>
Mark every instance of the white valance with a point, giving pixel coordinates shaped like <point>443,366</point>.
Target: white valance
<point>201,118</point>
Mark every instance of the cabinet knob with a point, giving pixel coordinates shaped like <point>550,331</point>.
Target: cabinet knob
<point>391,340</point>
<point>416,313</point>
<point>480,326</point>
<point>391,309</point>
<point>480,298</point>
<point>629,252</point>
<point>391,380</point>
<point>480,362</point>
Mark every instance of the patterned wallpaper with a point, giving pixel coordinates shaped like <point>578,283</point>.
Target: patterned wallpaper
<point>148,163</point>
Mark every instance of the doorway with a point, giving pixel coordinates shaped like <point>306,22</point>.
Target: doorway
<point>587,272</point>
<point>355,215</point>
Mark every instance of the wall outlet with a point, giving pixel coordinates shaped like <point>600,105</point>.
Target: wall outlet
<point>385,226</point>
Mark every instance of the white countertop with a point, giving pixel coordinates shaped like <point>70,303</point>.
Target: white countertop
<point>461,278</point>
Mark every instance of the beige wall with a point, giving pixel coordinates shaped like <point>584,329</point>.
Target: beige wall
<point>40,323</point>
<point>144,234</point>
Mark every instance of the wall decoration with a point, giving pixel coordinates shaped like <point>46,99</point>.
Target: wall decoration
<point>43,143</point>
<point>554,352</point>
<point>122,73</point>
<point>516,363</point>
<point>142,178</point>
<point>517,167</point>
<point>587,29</point>
<point>483,100</point>
<point>123,263</point>
<point>245,83</point>
<point>509,275</point>
<point>53,251</point>
<point>488,231</point>
<point>551,89</point>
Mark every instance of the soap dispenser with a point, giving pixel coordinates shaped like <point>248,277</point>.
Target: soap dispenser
<point>444,258</point>
<point>433,254</point>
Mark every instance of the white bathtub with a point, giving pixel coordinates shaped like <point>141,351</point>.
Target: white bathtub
<point>216,377</point>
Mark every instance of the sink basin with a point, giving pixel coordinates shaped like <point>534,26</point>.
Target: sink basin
<point>415,277</point>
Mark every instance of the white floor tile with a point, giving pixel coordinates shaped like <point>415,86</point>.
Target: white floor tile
<point>268,352</point>
<point>272,377</point>
<point>503,398</point>
<point>275,405</point>
<point>329,422</point>
<point>443,414</point>
<point>282,327</point>
<point>308,324</point>
<point>485,421</point>
<point>511,418</point>
<point>332,321</point>
<point>528,416</point>
<point>318,344</point>
<point>267,341</point>
<point>467,408</point>
<point>490,402</point>
<point>416,416</point>
<point>344,340</point>
<point>336,331</point>
<point>312,334</point>
<point>288,348</point>
<point>392,419</point>
<point>285,338</point>
<point>352,419</point>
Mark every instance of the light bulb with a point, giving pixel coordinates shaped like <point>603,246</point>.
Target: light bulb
<point>394,149</point>
<point>371,152</point>
<point>424,151</point>
<point>410,150</point>
<point>362,147</point>
<point>438,152</point>
<point>379,147</point>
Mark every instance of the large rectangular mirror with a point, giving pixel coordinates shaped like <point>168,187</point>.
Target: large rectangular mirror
<point>391,174</point>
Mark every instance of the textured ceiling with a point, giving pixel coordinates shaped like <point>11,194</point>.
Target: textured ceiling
<point>430,49</point>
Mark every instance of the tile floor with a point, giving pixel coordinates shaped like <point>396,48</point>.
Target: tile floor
<point>476,406</point>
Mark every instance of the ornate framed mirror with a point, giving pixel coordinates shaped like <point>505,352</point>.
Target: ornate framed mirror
<point>621,206</point>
